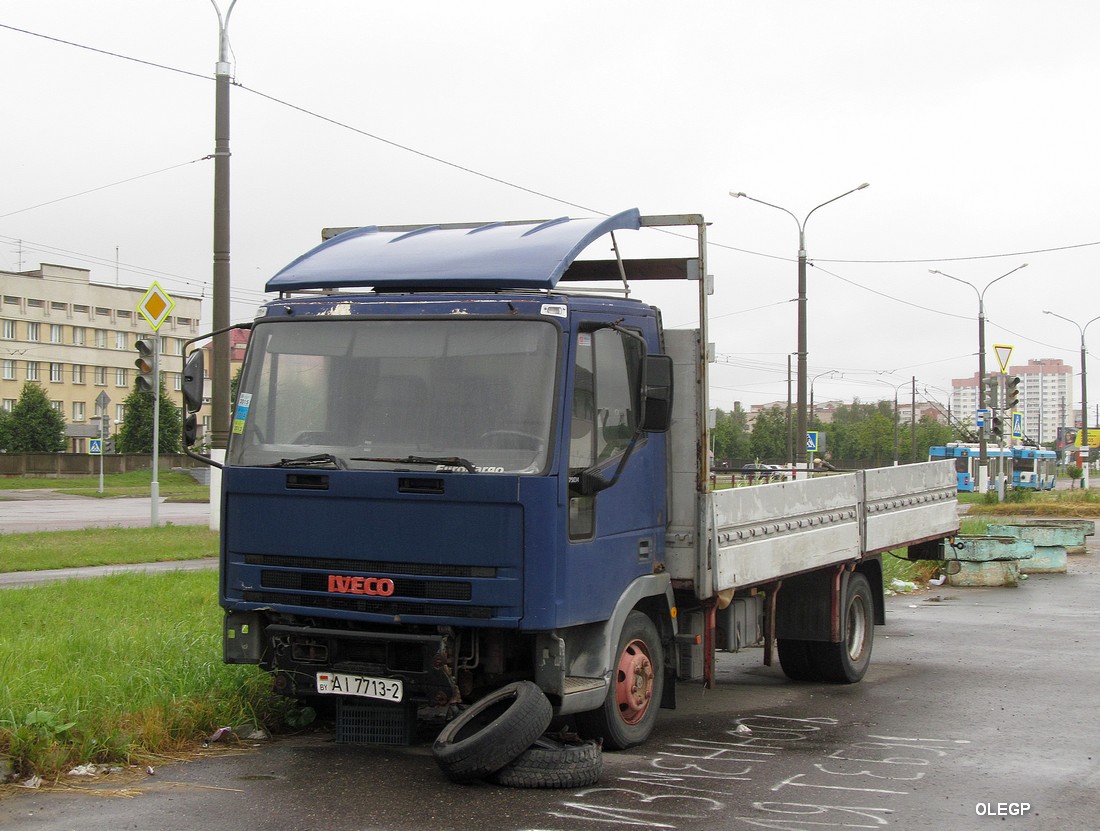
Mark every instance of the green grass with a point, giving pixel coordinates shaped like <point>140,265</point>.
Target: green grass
<point>896,567</point>
<point>128,667</point>
<point>119,669</point>
<point>1068,503</point>
<point>105,546</point>
<point>170,483</point>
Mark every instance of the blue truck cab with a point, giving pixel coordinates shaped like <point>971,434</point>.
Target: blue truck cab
<point>445,474</point>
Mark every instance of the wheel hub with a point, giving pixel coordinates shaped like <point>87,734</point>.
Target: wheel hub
<point>634,682</point>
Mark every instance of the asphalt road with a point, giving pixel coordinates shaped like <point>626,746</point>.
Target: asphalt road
<point>23,511</point>
<point>978,702</point>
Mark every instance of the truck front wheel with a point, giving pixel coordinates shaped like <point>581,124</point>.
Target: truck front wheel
<point>637,682</point>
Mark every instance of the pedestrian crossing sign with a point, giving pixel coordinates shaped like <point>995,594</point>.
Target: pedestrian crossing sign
<point>95,447</point>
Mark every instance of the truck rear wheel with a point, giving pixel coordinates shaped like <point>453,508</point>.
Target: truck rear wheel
<point>796,660</point>
<point>637,682</point>
<point>846,662</point>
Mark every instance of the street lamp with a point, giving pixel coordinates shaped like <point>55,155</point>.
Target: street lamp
<point>935,401</point>
<point>895,388</point>
<point>812,380</point>
<point>983,460</point>
<point>800,443</point>
<point>1084,395</point>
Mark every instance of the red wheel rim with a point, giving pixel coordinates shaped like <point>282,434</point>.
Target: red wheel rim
<point>634,682</point>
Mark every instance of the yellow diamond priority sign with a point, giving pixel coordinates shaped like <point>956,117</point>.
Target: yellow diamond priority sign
<point>156,305</point>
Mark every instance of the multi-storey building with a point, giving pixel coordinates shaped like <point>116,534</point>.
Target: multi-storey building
<point>76,339</point>
<point>1046,397</point>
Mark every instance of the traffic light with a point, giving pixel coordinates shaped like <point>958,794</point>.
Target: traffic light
<point>991,384</point>
<point>1012,392</point>
<point>997,428</point>
<point>146,364</point>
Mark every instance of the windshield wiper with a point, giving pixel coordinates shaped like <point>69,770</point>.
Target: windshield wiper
<point>450,461</point>
<point>318,460</point>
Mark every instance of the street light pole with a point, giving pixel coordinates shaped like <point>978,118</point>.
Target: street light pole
<point>813,380</point>
<point>913,419</point>
<point>983,457</point>
<point>1084,396</point>
<point>800,441</point>
<point>895,388</point>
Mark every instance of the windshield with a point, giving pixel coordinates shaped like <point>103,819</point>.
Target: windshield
<point>423,394</point>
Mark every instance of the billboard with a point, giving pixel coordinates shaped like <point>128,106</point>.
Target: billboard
<point>1094,437</point>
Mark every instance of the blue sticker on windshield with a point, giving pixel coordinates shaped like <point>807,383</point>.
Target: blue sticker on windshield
<point>244,401</point>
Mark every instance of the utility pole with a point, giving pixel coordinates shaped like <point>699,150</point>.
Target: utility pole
<point>913,418</point>
<point>219,370</point>
<point>790,441</point>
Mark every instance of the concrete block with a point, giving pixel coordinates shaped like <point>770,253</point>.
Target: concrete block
<point>1051,543</point>
<point>1087,526</point>
<point>1047,559</point>
<point>1047,533</point>
<point>990,548</point>
<point>993,573</point>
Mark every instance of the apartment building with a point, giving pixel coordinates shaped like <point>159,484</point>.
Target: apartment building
<point>1046,397</point>
<point>76,339</point>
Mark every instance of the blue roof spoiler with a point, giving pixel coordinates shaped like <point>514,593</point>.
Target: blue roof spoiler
<point>498,255</point>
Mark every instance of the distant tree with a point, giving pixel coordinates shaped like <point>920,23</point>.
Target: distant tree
<point>234,385</point>
<point>876,438</point>
<point>741,435</point>
<point>769,435</point>
<point>33,426</point>
<point>930,433</point>
<point>136,433</point>
<point>731,434</point>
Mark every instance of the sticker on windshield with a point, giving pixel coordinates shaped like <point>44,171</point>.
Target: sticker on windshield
<point>244,401</point>
<point>554,310</point>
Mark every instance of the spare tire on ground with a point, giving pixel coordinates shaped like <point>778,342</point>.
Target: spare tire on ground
<point>492,732</point>
<point>551,764</point>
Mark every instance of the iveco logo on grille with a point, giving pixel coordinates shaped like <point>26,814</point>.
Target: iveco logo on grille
<point>380,586</point>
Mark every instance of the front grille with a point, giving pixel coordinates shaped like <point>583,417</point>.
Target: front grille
<point>358,604</point>
<point>338,564</point>
<point>403,587</point>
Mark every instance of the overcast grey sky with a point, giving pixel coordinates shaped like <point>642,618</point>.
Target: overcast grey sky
<point>974,121</point>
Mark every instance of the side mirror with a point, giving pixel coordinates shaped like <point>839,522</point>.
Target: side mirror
<point>193,381</point>
<point>190,429</point>
<point>657,394</point>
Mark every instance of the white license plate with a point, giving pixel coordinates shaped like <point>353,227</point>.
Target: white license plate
<point>339,683</point>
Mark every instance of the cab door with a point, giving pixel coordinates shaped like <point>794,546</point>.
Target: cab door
<point>613,534</point>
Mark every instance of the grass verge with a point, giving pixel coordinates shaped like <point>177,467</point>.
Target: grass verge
<point>1069,503</point>
<point>100,678</point>
<point>105,546</point>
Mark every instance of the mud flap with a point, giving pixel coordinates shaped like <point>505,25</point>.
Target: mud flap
<point>668,694</point>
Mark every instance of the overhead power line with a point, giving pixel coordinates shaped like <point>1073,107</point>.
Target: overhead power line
<point>541,194</point>
<point>105,52</point>
<point>104,187</point>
